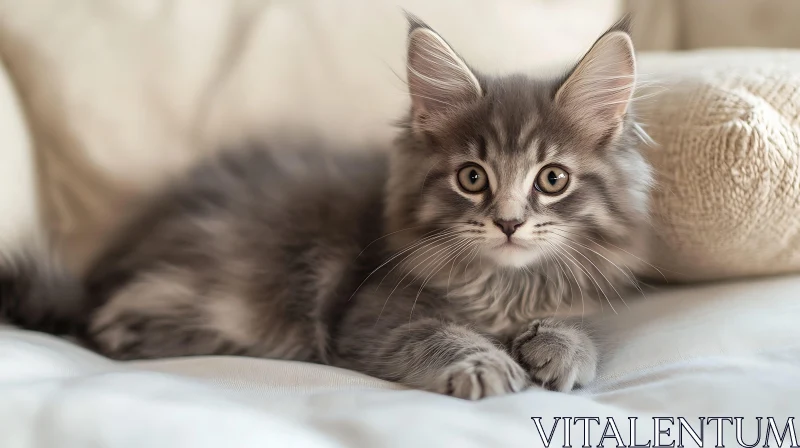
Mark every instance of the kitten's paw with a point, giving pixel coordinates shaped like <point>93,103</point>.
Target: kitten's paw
<point>482,374</point>
<point>557,356</point>
<point>115,339</point>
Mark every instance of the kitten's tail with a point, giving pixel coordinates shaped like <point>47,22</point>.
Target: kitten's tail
<point>37,293</point>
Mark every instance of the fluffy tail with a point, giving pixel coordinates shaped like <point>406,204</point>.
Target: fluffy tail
<point>37,293</point>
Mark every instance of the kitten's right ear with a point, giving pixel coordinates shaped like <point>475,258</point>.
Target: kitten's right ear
<point>438,79</point>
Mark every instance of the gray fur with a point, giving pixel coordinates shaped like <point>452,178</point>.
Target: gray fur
<point>382,263</point>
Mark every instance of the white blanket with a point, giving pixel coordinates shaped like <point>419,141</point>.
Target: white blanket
<point>715,351</point>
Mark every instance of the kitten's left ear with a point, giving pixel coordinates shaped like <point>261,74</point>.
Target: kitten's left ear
<point>598,91</point>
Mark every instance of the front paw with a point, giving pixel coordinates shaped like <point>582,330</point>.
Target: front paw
<point>557,355</point>
<point>480,375</point>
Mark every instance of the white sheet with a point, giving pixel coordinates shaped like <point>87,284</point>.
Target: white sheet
<point>724,350</point>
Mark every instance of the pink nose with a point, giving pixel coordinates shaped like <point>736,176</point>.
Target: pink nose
<point>508,227</point>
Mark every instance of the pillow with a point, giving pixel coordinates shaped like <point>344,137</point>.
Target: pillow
<point>123,93</point>
<point>727,128</point>
<point>18,204</point>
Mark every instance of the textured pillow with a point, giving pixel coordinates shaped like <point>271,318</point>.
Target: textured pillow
<point>727,128</point>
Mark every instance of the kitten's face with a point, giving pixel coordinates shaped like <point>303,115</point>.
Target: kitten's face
<point>517,170</point>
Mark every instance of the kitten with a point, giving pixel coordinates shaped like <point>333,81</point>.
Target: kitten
<point>438,265</point>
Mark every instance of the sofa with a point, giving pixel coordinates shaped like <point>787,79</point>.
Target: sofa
<point>101,101</point>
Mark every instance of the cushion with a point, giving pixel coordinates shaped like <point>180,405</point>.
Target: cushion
<point>692,24</point>
<point>727,129</point>
<point>18,199</point>
<point>121,94</point>
<point>687,352</point>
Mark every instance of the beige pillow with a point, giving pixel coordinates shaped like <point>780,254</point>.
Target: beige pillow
<point>18,205</point>
<point>727,124</point>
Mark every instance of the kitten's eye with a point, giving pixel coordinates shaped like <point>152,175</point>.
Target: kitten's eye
<point>552,179</point>
<point>472,178</point>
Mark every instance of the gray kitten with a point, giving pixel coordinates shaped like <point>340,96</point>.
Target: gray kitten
<point>439,266</point>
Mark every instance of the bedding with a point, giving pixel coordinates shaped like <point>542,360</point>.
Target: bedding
<point>727,350</point>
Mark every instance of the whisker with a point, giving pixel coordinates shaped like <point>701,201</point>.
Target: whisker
<point>401,281</point>
<point>549,254</point>
<point>585,270</point>
<point>430,276</point>
<point>577,282</point>
<point>386,302</point>
<point>427,246</point>
<point>390,234</point>
<point>447,245</point>
<point>442,246</point>
<point>419,245</point>
<point>471,248</point>
<point>631,279</point>
<point>601,274</point>
<point>623,250</point>
<point>641,132</point>
<point>435,262</point>
<point>399,253</point>
<point>478,251</point>
<point>410,228</point>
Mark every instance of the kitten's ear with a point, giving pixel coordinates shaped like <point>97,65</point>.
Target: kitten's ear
<point>438,79</point>
<point>598,91</point>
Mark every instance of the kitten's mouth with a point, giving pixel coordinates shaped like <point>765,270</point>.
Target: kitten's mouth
<point>510,245</point>
<point>513,253</point>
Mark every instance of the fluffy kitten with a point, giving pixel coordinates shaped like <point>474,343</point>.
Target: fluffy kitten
<point>438,266</point>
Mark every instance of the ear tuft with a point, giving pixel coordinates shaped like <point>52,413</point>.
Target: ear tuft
<point>414,22</point>
<point>438,79</point>
<point>623,24</point>
<point>598,91</point>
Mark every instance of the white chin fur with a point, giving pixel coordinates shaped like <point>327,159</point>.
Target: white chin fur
<point>513,257</point>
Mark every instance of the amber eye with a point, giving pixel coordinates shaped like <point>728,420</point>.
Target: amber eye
<point>472,178</point>
<point>552,179</point>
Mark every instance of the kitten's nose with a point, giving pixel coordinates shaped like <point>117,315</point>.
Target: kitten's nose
<point>508,227</point>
